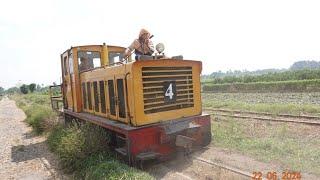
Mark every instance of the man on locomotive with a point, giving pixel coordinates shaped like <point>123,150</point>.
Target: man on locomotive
<point>85,64</point>
<point>141,46</point>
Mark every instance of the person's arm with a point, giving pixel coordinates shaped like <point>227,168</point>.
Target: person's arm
<point>151,46</point>
<point>129,49</point>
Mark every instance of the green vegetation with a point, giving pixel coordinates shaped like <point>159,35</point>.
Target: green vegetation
<point>1,91</point>
<point>74,143</point>
<point>24,89</point>
<point>301,67</point>
<point>32,87</point>
<point>305,80</point>
<point>305,65</point>
<point>294,146</point>
<point>276,103</point>
<point>12,90</point>
<point>291,146</point>
<point>39,114</point>
<point>263,87</point>
<point>305,74</point>
<point>82,149</point>
<point>270,108</point>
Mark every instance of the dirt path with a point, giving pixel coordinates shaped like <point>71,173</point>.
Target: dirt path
<point>23,155</point>
<point>187,168</point>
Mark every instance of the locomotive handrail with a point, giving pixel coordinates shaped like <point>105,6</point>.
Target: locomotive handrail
<point>58,85</point>
<point>55,99</point>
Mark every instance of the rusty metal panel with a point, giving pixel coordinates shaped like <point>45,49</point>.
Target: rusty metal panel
<point>184,141</point>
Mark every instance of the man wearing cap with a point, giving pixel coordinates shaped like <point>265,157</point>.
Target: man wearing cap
<point>141,46</point>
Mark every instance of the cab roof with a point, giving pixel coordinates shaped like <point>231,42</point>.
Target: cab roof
<point>84,47</point>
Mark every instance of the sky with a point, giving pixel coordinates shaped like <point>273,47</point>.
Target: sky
<point>224,35</point>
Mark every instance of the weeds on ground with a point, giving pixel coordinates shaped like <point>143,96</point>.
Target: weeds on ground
<point>280,144</point>
<point>74,143</point>
<point>104,166</point>
<point>39,114</point>
<point>82,150</point>
<point>40,118</point>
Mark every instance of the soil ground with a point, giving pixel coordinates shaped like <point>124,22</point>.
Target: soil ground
<point>189,168</point>
<point>22,154</point>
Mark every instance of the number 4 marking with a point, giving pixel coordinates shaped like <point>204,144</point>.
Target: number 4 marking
<point>169,91</point>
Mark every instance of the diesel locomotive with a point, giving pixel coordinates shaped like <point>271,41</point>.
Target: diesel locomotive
<point>151,107</point>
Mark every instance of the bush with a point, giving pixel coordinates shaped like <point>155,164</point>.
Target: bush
<point>82,149</point>
<point>39,99</point>
<point>70,147</point>
<point>41,118</point>
<point>75,143</point>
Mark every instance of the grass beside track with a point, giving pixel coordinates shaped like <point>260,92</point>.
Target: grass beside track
<point>276,103</point>
<point>38,111</point>
<point>294,147</point>
<point>82,150</point>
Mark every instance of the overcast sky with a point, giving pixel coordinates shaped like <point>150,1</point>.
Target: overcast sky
<point>224,35</point>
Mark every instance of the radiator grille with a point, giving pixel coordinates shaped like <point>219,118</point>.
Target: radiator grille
<point>154,80</point>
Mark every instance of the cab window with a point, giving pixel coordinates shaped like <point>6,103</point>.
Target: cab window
<point>65,62</point>
<point>71,63</point>
<point>88,60</point>
<point>114,57</point>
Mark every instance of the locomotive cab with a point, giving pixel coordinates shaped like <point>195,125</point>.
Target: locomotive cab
<point>152,105</point>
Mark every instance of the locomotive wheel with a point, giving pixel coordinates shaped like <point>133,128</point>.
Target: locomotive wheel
<point>71,121</point>
<point>206,139</point>
<point>67,120</point>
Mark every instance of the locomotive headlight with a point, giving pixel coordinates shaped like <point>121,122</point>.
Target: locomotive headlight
<point>160,47</point>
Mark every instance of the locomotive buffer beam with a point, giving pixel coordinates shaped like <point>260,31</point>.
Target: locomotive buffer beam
<point>184,141</point>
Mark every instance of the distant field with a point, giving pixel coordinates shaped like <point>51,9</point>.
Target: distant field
<point>291,103</point>
<point>306,80</point>
<point>293,75</point>
<point>264,87</point>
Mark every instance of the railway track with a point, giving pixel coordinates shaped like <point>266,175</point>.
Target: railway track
<point>209,164</point>
<point>302,119</point>
<point>226,167</point>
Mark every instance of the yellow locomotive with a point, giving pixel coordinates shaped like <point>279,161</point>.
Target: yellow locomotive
<point>152,107</point>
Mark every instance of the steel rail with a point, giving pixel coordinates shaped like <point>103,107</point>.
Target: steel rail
<point>226,167</point>
<point>270,119</point>
<point>263,113</point>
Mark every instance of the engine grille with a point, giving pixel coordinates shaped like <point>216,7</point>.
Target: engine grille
<point>154,80</point>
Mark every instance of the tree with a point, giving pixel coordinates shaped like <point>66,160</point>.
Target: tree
<point>1,90</point>
<point>32,87</point>
<point>305,65</point>
<point>24,89</point>
<point>12,90</point>
<point>38,88</point>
